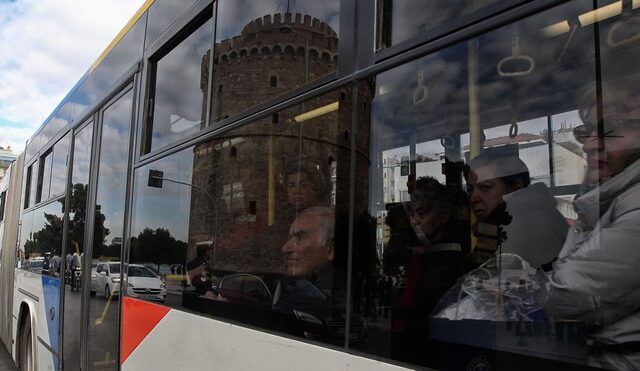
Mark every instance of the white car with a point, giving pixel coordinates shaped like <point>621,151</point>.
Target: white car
<point>106,280</point>
<point>142,283</point>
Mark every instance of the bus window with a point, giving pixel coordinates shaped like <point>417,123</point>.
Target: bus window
<point>44,177</point>
<point>178,99</point>
<point>296,45</point>
<point>474,154</point>
<point>397,20</point>
<point>264,203</point>
<point>59,166</point>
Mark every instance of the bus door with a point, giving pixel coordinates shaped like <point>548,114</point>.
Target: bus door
<point>94,236</point>
<point>77,213</point>
<point>105,237</point>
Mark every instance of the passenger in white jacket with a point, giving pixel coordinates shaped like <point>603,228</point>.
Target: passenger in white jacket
<point>596,278</point>
<point>501,195</point>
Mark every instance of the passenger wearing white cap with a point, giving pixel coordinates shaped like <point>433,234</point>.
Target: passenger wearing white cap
<point>501,194</point>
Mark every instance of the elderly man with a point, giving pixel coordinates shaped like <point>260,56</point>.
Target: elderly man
<point>309,251</point>
<point>596,278</point>
<point>501,194</point>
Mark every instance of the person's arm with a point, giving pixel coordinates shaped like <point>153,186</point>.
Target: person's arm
<point>597,279</point>
<point>194,270</point>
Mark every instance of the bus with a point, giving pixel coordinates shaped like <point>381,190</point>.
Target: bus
<point>389,184</point>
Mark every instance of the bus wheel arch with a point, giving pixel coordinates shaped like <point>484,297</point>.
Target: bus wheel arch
<point>25,347</point>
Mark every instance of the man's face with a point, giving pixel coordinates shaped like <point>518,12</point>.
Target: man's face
<point>300,191</point>
<point>610,155</point>
<point>306,251</point>
<point>485,195</point>
<point>426,219</point>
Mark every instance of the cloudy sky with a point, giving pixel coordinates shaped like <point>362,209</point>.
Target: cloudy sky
<point>45,47</point>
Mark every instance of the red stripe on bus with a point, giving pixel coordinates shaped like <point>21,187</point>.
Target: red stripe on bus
<point>138,319</point>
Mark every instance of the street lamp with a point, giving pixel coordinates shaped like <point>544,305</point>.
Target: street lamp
<point>155,180</point>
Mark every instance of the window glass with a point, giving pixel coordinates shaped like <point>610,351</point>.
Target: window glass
<point>161,15</point>
<point>179,94</point>
<point>268,198</point>
<point>29,186</point>
<point>120,59</point>
<point>53,170</point>
<point>3,200</point>
<point>33,183</point>
<point>135,271</point>
<point>266,48</point>
<point>398,20</point>
<point>58,120</point>
<point>74,251</point>
<point>44,177</point>
<point>45,240</point>
<point>489,160</point>
<point>108,230</point>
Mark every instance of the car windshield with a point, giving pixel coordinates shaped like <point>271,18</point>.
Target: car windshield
<point>140,272</point>
<point>114,267</point>
<point>301,289</point>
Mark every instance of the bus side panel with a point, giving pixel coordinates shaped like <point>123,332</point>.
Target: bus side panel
<point>184,341</point>
<point>7,257</point>
<point>32,289</point>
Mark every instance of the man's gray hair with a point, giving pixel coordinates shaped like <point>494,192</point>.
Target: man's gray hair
<point>326,221</point>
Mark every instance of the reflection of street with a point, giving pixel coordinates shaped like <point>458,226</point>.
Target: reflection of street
<point>103,332</point>
<point>72,323</point>
<point>102,337</point>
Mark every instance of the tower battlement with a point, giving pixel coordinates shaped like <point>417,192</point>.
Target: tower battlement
<point>296,21</point>
<point>266,34</point>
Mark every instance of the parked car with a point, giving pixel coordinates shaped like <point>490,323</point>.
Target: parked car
<point>285,304</point>
<point>144,284</point>
<point>107,279</point>
<point>35,265</point>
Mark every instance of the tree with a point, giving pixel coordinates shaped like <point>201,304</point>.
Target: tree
<point>157,247</point>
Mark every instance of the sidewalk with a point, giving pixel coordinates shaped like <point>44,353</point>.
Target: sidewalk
<point>6,363</point>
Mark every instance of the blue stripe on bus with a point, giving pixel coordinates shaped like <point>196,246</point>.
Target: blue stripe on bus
<point>51,293</point>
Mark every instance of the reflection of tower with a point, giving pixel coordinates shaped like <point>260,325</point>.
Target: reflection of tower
<point>244,170</point>
<point>268,59</point>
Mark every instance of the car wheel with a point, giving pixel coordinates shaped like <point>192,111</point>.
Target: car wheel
<point>26,346</point>
<point>107,292</point>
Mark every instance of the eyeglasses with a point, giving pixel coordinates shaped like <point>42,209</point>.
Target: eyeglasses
<point>583,132</point>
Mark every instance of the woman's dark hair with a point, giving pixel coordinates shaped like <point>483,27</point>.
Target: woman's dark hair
<point>315,176</point>
<point>447,199</point>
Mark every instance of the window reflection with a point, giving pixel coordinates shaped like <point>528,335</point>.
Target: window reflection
<point>267,48</point>
<point>41,239</point>
<point>179,95</point>
<point>258,233</point>
<point>398,21</point>
<point>108,229</point>
<point>161,15</point>
<point>261,51</point>
<point>74,251</point>
<point>489,151</point>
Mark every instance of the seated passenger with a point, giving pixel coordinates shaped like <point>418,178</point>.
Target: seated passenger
<point>596,277</point>
<point>501,194</point>
<point>309,252</point>
<point>430,266</point>
<point>199,271</point>
<point>305,186</point>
